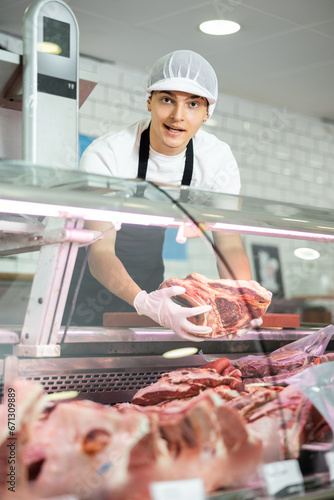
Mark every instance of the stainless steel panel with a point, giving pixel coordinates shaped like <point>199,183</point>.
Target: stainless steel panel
<point>106,380</point>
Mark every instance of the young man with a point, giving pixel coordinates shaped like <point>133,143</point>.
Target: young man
<point>170,148</point>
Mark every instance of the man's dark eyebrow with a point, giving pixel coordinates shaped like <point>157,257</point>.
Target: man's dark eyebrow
<point>168,92</point>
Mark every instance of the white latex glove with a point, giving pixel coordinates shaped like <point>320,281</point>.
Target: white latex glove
<point>255,323</point>
<point>159,306</point>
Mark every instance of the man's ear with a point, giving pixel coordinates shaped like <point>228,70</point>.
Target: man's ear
<point>149,104</point>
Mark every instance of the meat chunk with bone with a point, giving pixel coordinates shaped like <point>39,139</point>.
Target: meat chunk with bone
<point>93,451</point>
<point>23,402</point>
<point>189,382</point>
<point>285,424</point>
<point>283,419</point>
<point>275,369</point>
<point>89,446</point>
<point>235,303</point>
<point>289,359</point>
<point>205,437</point>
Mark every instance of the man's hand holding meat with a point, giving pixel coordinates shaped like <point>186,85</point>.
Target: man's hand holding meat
<point>159,306</point>
<point>236,305</point>
<point>255,323</point>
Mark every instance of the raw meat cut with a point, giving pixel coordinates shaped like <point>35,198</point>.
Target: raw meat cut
<point>274,370</point>
<point>205,428</point>
<point>89,447</point>
<point>189,382</point>
<point>97,452</point>
<point>273,364</point>
<point>23,402</point>
<point>282,418</point>
<point>234,302</point>
<point>285,424</point>
<point>289,359</point>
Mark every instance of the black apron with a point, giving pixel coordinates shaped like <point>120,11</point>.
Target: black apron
<point>139,248</point>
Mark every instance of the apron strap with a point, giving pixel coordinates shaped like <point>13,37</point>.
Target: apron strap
<point>189,165</point>
<point>144,150</point>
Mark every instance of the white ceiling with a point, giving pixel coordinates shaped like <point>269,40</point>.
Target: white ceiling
<point>283,55</point>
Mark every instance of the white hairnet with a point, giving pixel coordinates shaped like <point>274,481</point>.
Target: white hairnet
<point>185,71</point>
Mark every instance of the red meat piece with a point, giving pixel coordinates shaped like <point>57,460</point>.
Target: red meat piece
<point>234,302</point>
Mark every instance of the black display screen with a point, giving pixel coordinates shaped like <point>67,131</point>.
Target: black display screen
<point>58,33</point>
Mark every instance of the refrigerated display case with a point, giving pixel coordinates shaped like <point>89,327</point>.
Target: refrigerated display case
<point>43,213</point>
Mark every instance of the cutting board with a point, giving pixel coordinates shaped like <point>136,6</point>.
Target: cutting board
<point>132,320</point>
<point>271,320</point>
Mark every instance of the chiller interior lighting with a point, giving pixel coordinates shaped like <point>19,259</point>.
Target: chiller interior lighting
<point>60,396</point>
<point>48,210</point>
<point>265,231</point>
<point>219,27</point>
<point>306,253</point>
<point>180,353</point>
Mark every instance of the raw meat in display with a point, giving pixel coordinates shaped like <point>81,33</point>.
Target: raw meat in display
<point>287,360</point>
<point>291,420</point>
<point>282,418</point>
<point>280,367</point>
<point>23,402</point>
<point>89,446</point>
<point>273,364</point>
<point>234,302</point>
<point>202,422</point>
<point>188,382</point>
<point>98,452</point>
<point>211,439</point>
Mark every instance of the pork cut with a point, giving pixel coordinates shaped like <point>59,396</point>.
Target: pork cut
<point>234,302</point>
<point>95,452</point>
<point>274,369</point>
<point>285,424</point>
<point>186,383</point>
<point>282,418</point>
<point>23,402</point>
<point>288,360</point>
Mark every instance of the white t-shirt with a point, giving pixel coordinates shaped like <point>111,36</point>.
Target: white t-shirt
<point>116,154</point>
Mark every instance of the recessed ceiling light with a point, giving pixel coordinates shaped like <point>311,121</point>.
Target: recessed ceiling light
<point>219,27</point>
<point>180,353</point>
<point>306,253</point>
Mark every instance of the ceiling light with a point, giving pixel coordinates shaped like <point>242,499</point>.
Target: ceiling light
<point>219,27</point>
<point>306,253</point>
<point>180,353</point>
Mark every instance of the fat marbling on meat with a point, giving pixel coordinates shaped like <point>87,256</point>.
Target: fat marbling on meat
<point>95,452</point>
<point>234,302</point>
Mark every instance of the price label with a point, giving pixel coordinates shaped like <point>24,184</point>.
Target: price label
<point>283,478</point>
<point>187,489</point>
<point>330,463</point>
